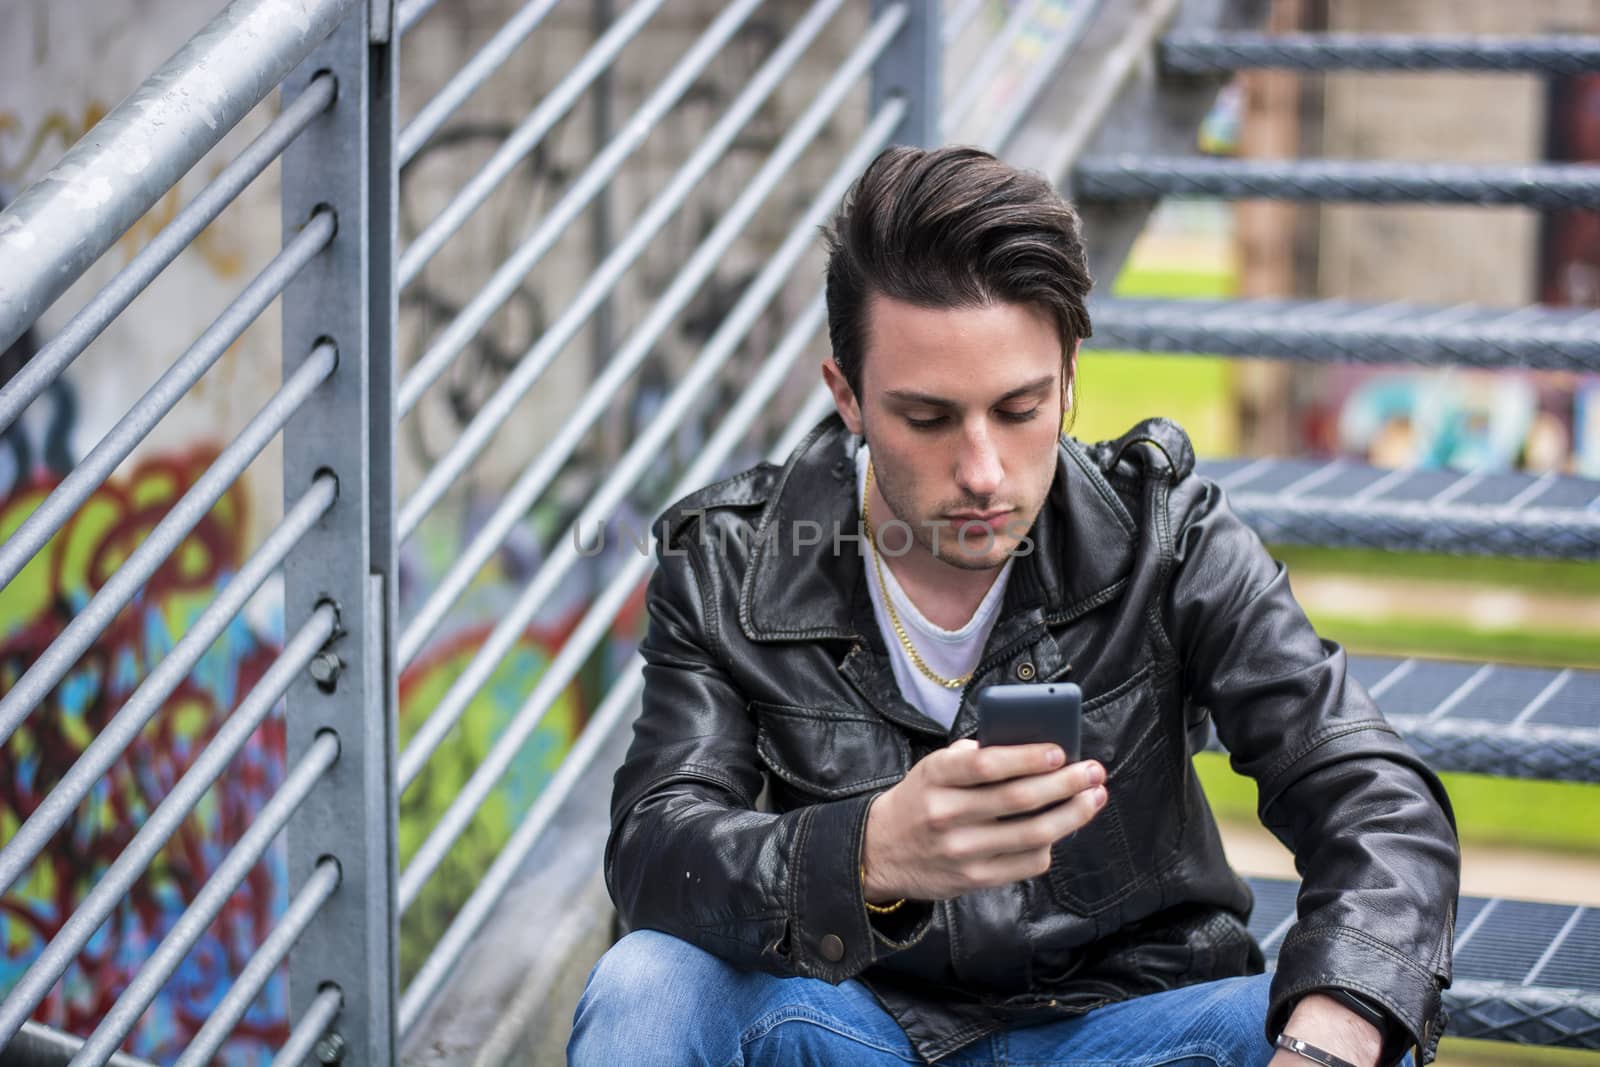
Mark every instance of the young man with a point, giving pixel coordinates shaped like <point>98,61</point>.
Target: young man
<point>819,863</point>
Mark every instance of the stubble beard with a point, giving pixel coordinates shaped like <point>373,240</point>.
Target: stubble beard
<point>949,549</point>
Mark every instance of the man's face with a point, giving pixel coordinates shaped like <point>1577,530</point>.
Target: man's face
<point>961,408</point>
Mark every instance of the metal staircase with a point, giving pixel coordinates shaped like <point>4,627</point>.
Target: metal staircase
<point>1524,972</point>
<point>1341,331</point>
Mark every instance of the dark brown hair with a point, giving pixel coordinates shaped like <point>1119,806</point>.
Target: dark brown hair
<point>951,228</point>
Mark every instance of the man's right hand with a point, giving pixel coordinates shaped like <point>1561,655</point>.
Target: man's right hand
<point>938,833</point>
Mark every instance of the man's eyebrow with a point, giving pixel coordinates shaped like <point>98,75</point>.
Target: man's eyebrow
<point>914,397</point>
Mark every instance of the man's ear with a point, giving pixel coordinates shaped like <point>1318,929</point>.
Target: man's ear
<point>844,398</point>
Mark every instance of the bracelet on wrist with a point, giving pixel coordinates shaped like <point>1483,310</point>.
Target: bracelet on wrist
<point>877,909</point>
<point>1311,1052</point>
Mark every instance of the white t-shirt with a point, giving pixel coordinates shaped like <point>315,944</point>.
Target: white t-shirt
<point>949,653</point>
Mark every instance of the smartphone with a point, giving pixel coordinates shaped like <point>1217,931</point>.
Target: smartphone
<point>1029,714</point>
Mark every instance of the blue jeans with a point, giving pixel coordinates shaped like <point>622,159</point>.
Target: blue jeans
<point>655,1000</point>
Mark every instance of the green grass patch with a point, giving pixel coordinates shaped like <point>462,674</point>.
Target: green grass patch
<point>1174,282</point>
<point>1454,1051</point>
<point>1116,390</point>
<point>1411,637</point>
<point>1525,575</point>
<point>1490,812</point>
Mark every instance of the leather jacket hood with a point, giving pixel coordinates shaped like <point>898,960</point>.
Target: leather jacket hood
<point>771,719</point>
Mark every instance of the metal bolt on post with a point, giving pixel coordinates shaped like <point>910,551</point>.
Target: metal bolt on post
<point>330,1049</point>
<point>325,668</point>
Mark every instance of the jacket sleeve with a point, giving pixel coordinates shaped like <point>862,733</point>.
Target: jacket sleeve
<point>1370,826</point>
<point>690,855</point>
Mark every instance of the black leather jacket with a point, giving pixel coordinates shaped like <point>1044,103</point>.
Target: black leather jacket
<point>766,670</point>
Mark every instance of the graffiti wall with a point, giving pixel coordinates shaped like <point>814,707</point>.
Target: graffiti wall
<point>63,65</point>
<point>57,584</point>
<point>34,609</point>
<point>423,684</point>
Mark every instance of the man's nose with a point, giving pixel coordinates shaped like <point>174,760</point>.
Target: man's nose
<point>978,470</point>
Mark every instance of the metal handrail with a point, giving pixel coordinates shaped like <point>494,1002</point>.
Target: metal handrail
<point>175,382</point>
<point>499,407</point>
<point>48,670</point>
<point>628,469</point>
<point>47,364</point>
<point>477,70</point>
<point>274,948</point>
<point>50,236</point>
<point>594,179</point>
<point>607,718</point>
<point>189,928</point>
<point>700,264</point>
<point>62,223</point>
<point>551,682</point>
<point>536,478</point>
<point>37,981</point>
<point>524,139</point>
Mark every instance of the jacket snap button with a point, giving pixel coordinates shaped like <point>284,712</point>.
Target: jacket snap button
<point>1025,671</point>
<point>832,948</point>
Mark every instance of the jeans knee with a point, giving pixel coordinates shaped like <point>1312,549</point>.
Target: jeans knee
<point>647,996</point>
<point>639,962</point>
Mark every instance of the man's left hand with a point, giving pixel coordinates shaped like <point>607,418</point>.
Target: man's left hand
<point>1327,1024</point>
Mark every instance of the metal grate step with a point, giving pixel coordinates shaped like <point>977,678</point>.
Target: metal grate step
<point>1220,53</point>
<point>1132,177</point>
<point>1340,503</point>
<point>1524,972</point>
<point>1498,719</point>
<point>1340,331</point>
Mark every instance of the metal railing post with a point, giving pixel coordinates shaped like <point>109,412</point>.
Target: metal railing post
<point>909,69</point>
<point>346,162</point>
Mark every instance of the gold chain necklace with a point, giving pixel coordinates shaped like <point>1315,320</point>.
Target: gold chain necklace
<point>888,601</point>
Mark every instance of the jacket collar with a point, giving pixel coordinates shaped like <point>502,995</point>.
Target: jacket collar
<point>1083,543</point>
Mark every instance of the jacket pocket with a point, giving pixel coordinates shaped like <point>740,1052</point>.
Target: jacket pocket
<point>1111,869</point>
<point>828,753</point>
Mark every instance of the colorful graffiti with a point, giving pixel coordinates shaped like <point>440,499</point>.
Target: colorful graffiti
<point>425,682</point>
<point>1462,420</point>
<point>34,608</point>
<point>60,581</point>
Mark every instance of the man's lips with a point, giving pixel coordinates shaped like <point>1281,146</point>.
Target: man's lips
<point>995,520</point>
